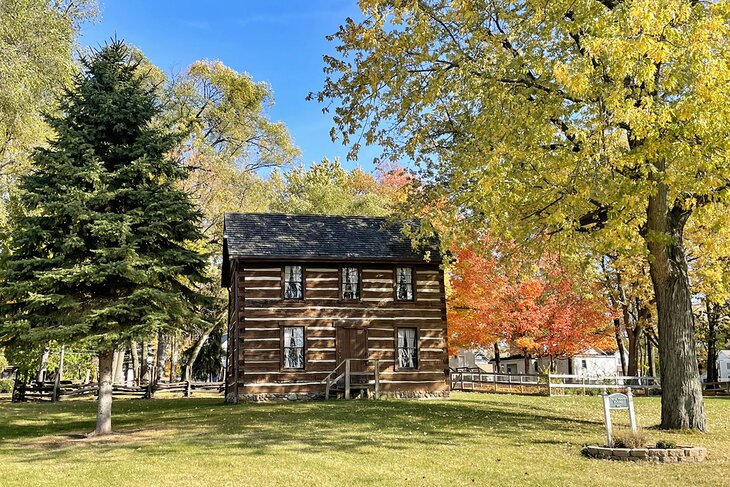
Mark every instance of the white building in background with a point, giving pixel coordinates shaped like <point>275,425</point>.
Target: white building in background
<point>591,363</point>
<point>471,358</point>
<point>723,365</point>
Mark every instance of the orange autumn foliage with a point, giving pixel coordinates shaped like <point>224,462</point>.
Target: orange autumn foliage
<point>476,302</point>
<point>544,314</point>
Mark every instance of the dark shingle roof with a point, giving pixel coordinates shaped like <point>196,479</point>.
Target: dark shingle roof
<point>277,236</point>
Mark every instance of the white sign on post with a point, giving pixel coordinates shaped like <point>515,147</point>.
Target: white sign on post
<point>618,401</point>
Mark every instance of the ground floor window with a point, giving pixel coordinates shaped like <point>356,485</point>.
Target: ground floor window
<point>407,348</point>
<point>293,345</point>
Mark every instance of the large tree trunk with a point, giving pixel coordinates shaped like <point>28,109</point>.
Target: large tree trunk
<point>713,316</point>
<point>188,370</point>
<point>682,405</point>
<point>104,401</point>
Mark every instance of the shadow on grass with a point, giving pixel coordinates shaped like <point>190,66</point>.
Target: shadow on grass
<point>306,427</point>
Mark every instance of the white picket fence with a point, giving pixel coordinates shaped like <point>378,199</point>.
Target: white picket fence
<point>477,380</point>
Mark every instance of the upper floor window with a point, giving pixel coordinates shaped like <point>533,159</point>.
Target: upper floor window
<point>293,347</point>
<point>404,283</point>
<point>350,284</point>
<point>293,282</point>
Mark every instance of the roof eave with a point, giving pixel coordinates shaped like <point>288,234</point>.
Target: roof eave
<point>290,258</point>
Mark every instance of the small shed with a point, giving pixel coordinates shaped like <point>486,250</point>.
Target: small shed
<point>723,366</point>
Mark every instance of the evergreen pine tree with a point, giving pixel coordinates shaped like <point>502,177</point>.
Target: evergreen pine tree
<point>103,241</point>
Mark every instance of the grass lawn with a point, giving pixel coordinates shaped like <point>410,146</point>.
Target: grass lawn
<point>471,439</point>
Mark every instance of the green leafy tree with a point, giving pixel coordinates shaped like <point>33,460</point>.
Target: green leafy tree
<point>593,121</point>
<point>327,188</point>
<point>103,242</point>
<point>229,137</point>
<point>37,38</point>
<point>3,361</point>
<point>208,361</point>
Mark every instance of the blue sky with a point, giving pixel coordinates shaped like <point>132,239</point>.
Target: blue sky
<point>280,42</point>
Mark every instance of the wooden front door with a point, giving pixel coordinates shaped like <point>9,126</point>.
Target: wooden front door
<point>352,343</point>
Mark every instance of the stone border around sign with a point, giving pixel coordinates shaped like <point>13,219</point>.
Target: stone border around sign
<point>694,454</point>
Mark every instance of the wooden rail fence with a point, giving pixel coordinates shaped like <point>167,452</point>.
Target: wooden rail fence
<point>716,389</point>
<point>57,390</point>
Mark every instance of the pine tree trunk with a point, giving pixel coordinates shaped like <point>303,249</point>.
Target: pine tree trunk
<point>115,360</point>
<point>135,362</point>
<point>173,358</point>
<point>44,364</point>
<point>104,401</point>
<point>161,357</point>
<point>188,370</point>
<point>143,363</point>
<point>118,366</point>
<point>682,405</point>
<point>61,360</point>
<point>712,319</point>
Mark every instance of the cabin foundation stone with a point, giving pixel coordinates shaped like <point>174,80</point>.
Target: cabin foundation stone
<point>416,395</point>
<point>273,397</point>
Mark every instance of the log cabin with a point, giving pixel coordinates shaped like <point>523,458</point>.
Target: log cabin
<point>329,304</point>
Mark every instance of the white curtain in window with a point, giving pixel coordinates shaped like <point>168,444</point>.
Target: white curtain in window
<point>294,347</point>
<point>293,282</point>
<point>350,283</point>
<point>407,347</point>
<point>404,279</point>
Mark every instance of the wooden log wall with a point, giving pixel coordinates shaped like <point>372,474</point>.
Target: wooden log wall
<point>262,313</point>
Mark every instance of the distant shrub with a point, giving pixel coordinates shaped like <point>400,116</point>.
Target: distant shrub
<point>6,386</point>
<point>666,444</point>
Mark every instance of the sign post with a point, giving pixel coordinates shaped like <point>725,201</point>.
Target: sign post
<point>618,401</point>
